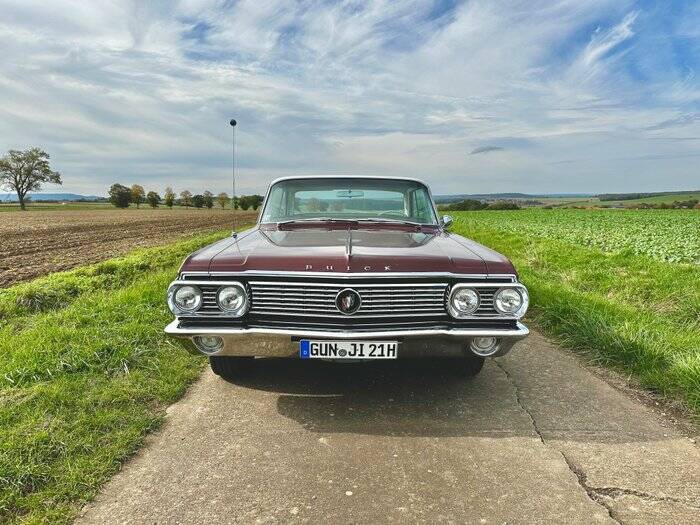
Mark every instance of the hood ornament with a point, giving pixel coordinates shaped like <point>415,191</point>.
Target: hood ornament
<point>348,301</point>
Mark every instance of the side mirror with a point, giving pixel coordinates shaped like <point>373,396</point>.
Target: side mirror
<point>446,221</point>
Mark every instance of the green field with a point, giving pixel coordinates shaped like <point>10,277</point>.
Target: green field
<point>604,282</point>
<point>667,235</point>
<point>85,373</point>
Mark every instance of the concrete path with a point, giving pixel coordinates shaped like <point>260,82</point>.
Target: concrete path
<point>535,438</point>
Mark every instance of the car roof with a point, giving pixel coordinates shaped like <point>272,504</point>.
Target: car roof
<point>301,177</point>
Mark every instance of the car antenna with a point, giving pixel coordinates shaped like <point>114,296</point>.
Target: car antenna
<point>233,123</point>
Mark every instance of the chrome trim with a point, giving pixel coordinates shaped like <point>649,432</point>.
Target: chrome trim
<point>336,275</point>
<point>427,343</point>
<point>383,299</point>
<point>373,285</point>
<point>519,332</point>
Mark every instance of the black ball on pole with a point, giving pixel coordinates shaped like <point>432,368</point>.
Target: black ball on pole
<point>233,122</point>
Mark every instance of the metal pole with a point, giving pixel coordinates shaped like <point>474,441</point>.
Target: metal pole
<point>233,171</point>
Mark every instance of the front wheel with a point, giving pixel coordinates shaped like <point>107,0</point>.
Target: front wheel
<point>230,367</point>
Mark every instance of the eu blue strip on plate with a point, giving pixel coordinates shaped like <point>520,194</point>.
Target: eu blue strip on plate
<point>304,348</point>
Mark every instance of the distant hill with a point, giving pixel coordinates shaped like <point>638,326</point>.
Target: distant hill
<point>40,197</point>
<point>443,199</point>
<point>641,196</point>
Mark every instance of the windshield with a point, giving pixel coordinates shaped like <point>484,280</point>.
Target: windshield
<point>351,198</point>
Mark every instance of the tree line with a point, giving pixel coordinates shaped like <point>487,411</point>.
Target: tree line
<point>122,197</point>
<point>473,204</point>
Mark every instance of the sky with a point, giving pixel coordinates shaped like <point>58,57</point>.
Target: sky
<point>471,96</point>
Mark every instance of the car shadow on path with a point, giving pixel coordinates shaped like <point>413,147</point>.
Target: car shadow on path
<point>392,398</point>
<point>429,399</point>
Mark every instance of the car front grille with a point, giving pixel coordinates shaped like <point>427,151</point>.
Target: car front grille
<point>398,302</point>
<point>319,300</point>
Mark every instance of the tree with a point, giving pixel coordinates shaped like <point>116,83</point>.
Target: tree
<point>244,202</point>
<point>257,200</point>
<point>153,199</point>
<point>198,201</point>
<point>137,194</point>
<point>24,171</point>
<point>119,196</point>
<point>185,198</point>
<point>169,197</point>
<point>223,199</point>
<point>208,199</point>
<point>236,202</point>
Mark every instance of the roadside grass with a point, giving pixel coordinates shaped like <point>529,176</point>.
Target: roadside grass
<point>85,374</point>
<point>639,315</point>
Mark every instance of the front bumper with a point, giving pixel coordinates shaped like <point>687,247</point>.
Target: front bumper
<point>270,342</point>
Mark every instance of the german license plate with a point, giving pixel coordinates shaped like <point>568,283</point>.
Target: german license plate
<point>311,349</point>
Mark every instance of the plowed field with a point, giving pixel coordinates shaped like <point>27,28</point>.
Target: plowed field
<point>37,243</point>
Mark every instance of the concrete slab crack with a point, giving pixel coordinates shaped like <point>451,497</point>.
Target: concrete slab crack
<point>578,473</point>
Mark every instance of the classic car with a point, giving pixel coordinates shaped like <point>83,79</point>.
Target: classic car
<point>348,268</point>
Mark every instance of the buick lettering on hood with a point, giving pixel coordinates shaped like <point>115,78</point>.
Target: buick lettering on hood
<point>348,268</point>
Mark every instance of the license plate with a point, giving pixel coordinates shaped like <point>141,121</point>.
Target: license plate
<point>310,349</point>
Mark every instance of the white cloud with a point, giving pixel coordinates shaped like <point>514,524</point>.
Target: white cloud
<point>143,92</point>
<point>603,42</point>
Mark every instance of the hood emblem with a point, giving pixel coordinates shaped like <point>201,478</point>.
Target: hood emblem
<point>348,301</point>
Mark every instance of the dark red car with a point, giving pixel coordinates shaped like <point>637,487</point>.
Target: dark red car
<point>346,268</point>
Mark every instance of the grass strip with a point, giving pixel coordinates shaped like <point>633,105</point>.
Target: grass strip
<point>628,311</point>
<point>82,385</point>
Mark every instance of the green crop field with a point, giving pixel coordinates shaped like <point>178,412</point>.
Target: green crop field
<point>622,286</point>
<point>666,235</point>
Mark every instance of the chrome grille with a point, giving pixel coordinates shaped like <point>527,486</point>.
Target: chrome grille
<point>296,299</point>
<point>486,302</point>
<point>209,304</point>
<point>318,300</point>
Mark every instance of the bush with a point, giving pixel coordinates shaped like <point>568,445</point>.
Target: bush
<point>467,205</point>
<point>503,205</point>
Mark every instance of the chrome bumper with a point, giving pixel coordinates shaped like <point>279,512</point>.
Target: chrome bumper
<point>271,342</point>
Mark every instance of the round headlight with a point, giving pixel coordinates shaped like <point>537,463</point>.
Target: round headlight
<point>510,301</point>
<point>463,302</point>
<point>187,298</point>
<point>233,300</point>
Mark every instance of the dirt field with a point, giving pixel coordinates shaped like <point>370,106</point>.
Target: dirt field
<point>36,243</point>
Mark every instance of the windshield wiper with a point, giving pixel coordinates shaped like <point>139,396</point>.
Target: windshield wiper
<point>316,219</point>
<point>392,221</point>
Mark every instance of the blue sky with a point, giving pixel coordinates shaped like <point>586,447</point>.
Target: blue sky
<point>471,96</point>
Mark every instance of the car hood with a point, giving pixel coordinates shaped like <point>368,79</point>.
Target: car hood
<point>348,251</point>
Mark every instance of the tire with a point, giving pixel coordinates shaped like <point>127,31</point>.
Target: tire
<point>230,367</point>
<point>465,367</point>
